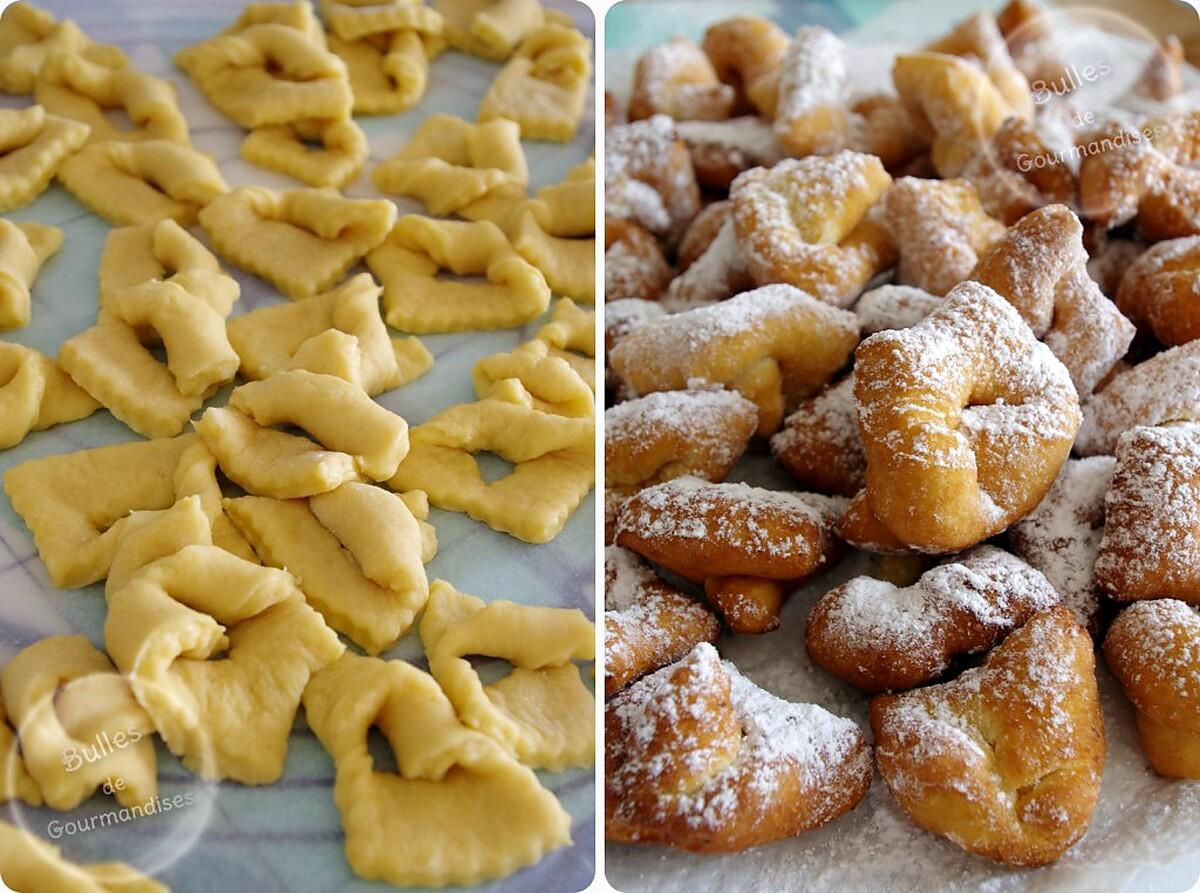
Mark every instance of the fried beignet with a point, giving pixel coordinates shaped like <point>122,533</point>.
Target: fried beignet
<point>881,124</point>
<point>1033,44</point>
<point>859,527</point>
<point>966,419</point>
<point>1151,543</point>
<point>1160,291</point>
<point>701,232</point>
<point>1163,389</point>
<point>719,273</point>
<point>775,345</point>
<point>1009,178</point>
<point>1152,648</point>
<point>677,79</point>
<point>810,112</point>
<point>1004,761</point>
<point>670,434</point>
<point>723,149</point>
<point>1061,537</point>
<point>1040,267</point>
<point>634,266</point>
<point>746,52</point>
<point>648,178</point>
<point>894,307</point>
<point>819,443</point>
<point>648,623</point>
<point>806,222</point>
<point>880,637</point>
<point>700,758</point>
<point>747,545</point>
<point>940,230</point>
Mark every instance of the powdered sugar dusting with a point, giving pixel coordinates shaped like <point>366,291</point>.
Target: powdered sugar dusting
<point>894,307</point>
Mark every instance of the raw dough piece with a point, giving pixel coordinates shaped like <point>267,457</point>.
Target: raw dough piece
<point>556,232</point>
<point>35,394</point>
<point>33,866</point>
<point>550,382</point>
<point>459,810</point>
<point>571,335</point>
<point>29,35</point>
<point>541,711</point>
<point>164,250</point>
<point>490,28</point>
<point>33,145</point>
<point>416,300</point>
<point>285,148</point>
<point>300,240</point>
<point>24,247</point>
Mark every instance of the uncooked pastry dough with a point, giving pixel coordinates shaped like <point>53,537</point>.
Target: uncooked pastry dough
<point>32,146</point>
<point>24,247</point>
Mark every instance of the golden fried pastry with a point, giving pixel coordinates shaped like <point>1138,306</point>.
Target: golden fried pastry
<point>648,178</point>
<point>141,182</point>
<point>893,307</point>
<point>860,527</point>
<point>940,230</point>
<point>978,40</point>
<point>73,87</point>
<point>1144,173</point>
<point>1110,260</point>
<point>30,35</point>
<point>746,52</point>
<point>1159,391</point>
<point>1040,267</point>
<point>35,145</point>
<point>1004,761</point>
<point>701,232</point>
<point>1151,648</point>
<point>810,110</point>
<point>634,266</point>
<point>1160,290</point>
<point>723,149</point>
<point>671,434</point>
<point>35,394</point>
<point>955,105</point>
<point>719,273</point>
<point>1151,543</point>
<point>880,637</point>
<point>1061,537</point>
<point>676,78</point>
<point>966,419</point>
<point>620,318</point>
<point>544,85</point>
<point>819,443</point>
<point>1018,173</point>
<point>1162,78</point>
<point>747,545</point>
<point>24,247</point>
<point>300,240</point>
<point>775,345</point>
<point>268,73</point>
<point>700,758</point>
<point>1033,44</point>
<point>806,222</point>
<point>881,124</point>
<point>648,623</point>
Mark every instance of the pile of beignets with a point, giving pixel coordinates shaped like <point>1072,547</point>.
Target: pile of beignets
<point>965,319</point>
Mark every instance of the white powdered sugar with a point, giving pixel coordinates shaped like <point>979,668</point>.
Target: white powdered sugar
<point>717,274</point>
<point>1165,388</point>
<point>1155,641</point>
<point>813,75</point>
<point>738,142</point>
<point>642,181</point>
<point>894,307</point>
<point>1061,537</point>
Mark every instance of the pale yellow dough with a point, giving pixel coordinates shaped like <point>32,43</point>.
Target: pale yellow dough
<point>112,362</point>
<point>30,865</point>
<point>459,810</point>
<point>388,72</point>
<point>544,85</point>
<point>571,335</point>
<point>218,650</point>
<point>452,166</point>
<point>73,87</point>
<point>35,394</point>
<point>24,247</point>
<point>283,148</point>
<point>550,382</point>
<point>356,438</point>
<point>268,74</point>
<point>556,232</point>
<point>29,35</point>
<point>553,459</point>
<point>141,182</point>
<point>300,240</point>
<point>355,19</point>
<point>15,783</point>
<point>358,552</point>
<point>490,28</point>
<point>33,145</point>
<point>415,299</point>
<point>64,698</point>
<point>76,504</point>
<point>164,250</point>
<point>298,14</point>
<point>541,711</point>
<point>338,332</point>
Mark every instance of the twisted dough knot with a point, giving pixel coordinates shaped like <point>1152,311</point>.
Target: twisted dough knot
<point>746,52</point>
<point>1040,266</point>
<point>966,419</point>
<point>1161,290</point>
<point>677,79</point>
